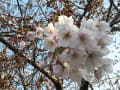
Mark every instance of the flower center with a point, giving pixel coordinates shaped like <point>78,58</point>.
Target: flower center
<point>67,35</point>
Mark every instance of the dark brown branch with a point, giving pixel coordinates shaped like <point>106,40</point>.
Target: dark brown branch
<point>115,6</point>
<point>31,62</point>
<point>22,79</point>
<point>116,22</point>
<point>26,11</point>
<point>85,84</point>
<point>26,8</point>
<point>109,11</point>
<point>19,8</point>
<point>43,12</point>
<point>115,29</point>
<point>75,4</point>
<point>87,8</point>
<point>116,18</point>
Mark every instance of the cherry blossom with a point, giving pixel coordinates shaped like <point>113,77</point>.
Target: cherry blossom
<point>50,44</point>
<point>84,47</point>
<point>30,35</point>
<point>58,70</point>
<point>39,32</point>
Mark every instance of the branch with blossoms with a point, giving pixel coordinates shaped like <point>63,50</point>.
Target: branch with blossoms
<point>79,52</point>
<point>31,62</point>
<point>72,52</point>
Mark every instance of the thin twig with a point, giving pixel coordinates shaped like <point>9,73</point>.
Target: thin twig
<point>116,17</point>
<point>109,11</point>
<point>91,86</point>
<point>115,6</point>
<point>22,79</point>
<point>75,4</point>
<point>26,11</point>
<point>42,12</point>
<point>67,84</point>
<point>19,8</point>
<point>86,9</point>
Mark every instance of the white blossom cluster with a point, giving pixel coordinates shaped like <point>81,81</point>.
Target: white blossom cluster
<point>84,48</point>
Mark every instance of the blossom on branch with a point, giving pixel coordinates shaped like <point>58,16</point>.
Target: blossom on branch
<point>80,51</point>
<point>30,35</point>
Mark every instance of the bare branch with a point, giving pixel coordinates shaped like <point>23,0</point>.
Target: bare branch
<point>22,79</point>
<point>85,84</point>
<point>109,11</point>
<point>19,8</point>
<point>115,29</point>
<point>75,4</point>
<point>87,8</point>
<point>115,6</point>
<point>42,12</point>
<point>116,17</point>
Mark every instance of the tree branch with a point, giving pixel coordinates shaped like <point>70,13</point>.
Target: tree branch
<point>115,29</point>
<point>116,17</point>
<point>75,4</point>
<point>115,6</point>
<point>19,8</point>
<point>43,12</point>
<point>110,7</point>
<point>22,80</point>
<point>31,62</point>
<point>85,84</point>
<point>87,8</point>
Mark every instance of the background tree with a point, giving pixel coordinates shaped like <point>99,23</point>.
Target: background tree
<point>21,60</point>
